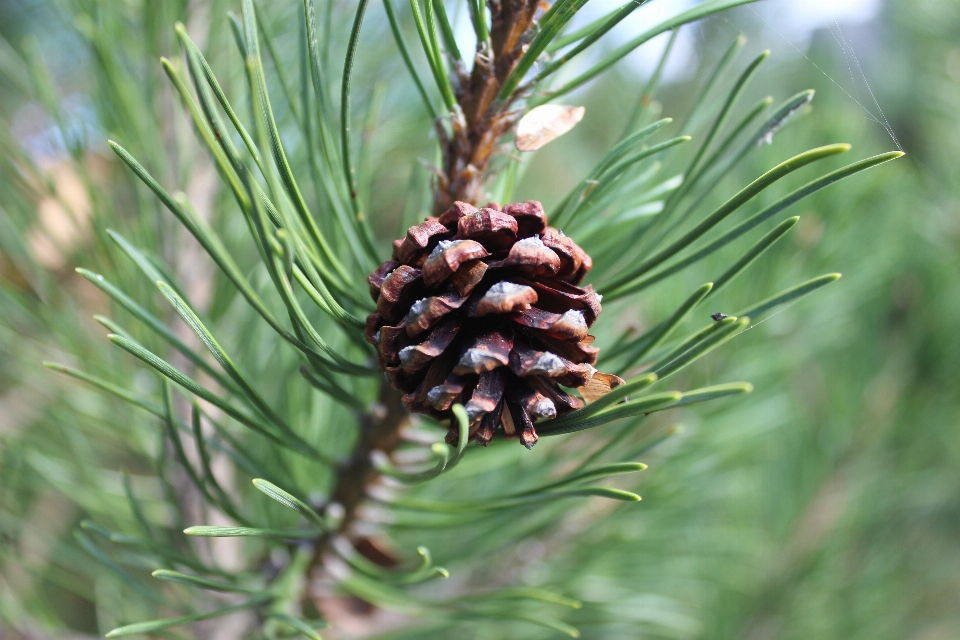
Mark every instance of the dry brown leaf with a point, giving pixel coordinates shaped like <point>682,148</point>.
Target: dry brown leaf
<point>546,123</point>
<point>598,386</point>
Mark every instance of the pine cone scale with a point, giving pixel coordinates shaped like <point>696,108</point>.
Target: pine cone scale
<point>489,351</point>
<point>415,357</point>
<point>504,297</point>
<point>495,230</point>
<point>447,257</point>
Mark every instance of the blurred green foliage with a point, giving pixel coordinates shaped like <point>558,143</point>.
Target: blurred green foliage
<point>825,505</point>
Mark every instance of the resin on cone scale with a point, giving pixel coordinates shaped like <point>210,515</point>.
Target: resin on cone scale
<point>483,307</point>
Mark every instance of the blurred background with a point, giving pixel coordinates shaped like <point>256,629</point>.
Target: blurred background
<point>824,505</point>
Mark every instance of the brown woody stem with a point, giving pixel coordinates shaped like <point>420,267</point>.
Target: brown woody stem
<point>476,136</point>
<point>380,430</point>
<point>467,151</point>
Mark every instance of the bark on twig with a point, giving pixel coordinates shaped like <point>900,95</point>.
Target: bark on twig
<point>468,148</point>
<point>484,120</point>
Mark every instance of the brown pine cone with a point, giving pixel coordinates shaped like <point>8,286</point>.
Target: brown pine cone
<point>482,307</point>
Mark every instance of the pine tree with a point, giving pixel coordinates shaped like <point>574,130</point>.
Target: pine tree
<point>257,365</point>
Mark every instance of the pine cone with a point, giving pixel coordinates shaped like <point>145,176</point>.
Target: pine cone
<point>482,307</point>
